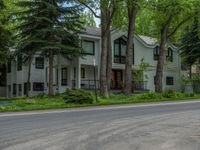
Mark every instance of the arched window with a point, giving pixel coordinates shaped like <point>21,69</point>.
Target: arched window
<point>156,53</point>
<point>169,56</point>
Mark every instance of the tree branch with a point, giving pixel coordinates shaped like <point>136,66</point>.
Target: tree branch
<point>179,25</point>
<point>87,6</point>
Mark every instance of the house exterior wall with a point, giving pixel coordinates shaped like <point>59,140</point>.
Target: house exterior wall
<point>87,62</point>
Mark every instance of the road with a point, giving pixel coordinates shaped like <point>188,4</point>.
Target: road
<point>156,126</point>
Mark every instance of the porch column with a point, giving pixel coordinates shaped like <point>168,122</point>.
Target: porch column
<point>78,74</point>
<point>59,72</point>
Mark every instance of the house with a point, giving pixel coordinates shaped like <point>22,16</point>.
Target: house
<point>79,72</point>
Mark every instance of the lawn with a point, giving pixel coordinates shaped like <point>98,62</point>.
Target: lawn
<point>56,102</point>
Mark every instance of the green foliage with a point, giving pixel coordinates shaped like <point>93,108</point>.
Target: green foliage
<point>138,73</point>
<point>88,19</point>
<point>190,43</point>
<point>150,95</point>
<point>194,81</point>
<point>78,96</point>
<point>5,35</point>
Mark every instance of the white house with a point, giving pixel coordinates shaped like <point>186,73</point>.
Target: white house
<point>79,72</point>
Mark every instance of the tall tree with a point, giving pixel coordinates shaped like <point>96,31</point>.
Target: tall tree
<point>169,16</point>
<point>132,7</point>
<point>107,11</point>
<point>190,43</point>
<point>54,25</point>
<point>4,34</point>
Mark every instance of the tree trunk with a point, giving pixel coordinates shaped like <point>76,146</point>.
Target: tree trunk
<point>132,12</point>
<point>29,76</point>
<point>109,60</point>
<point>51,57</point>
<point>160,64</point>
<point>103,69</point>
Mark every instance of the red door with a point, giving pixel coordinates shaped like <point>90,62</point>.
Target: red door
<point>117,79</point>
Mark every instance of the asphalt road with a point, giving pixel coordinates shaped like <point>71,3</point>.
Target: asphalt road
<point>162,126</point>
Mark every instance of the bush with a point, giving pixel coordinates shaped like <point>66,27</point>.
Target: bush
<point>169,94</point>
<point>150,95</point>
<point>78,96</point>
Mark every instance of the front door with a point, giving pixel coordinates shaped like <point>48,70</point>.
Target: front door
<point>117,79</point>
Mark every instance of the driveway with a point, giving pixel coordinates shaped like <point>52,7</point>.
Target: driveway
<point>156,126</point>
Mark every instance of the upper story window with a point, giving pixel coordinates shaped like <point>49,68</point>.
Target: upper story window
<point>9,67</point>
<point>156,53</point>
<point>169,56</point>
<point>39,63</point>
<point>19,62</point>
<point>169,81</point>
<point>120,51</point>
<point>88,47</point>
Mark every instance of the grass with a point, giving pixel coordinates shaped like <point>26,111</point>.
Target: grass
<point>57,102</point>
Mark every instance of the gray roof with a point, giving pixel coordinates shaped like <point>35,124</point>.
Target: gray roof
<point>93,31</point>
<point>97,32</point>
<point>148,40</point>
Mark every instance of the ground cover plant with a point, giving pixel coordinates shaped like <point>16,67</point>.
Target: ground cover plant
<point>75,98</point>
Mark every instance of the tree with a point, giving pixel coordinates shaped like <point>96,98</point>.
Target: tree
<point>51,27</point>
<point>107,11</point>
<point>190,44</point>
<point>4,35</point>
<point>88,19</point>
<point>132,7</point>
<point>169,16</point>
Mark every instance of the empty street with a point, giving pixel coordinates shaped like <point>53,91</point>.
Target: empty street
<point>155,126</point>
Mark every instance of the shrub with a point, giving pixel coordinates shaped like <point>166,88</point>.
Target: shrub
<point>150,95</point>
<point>169,94</point>
<point>78,96</point>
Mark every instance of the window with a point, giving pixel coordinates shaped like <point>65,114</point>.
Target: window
<point>88,47</point>
<point>25,88</point>
<point>19,87</point>
<point>14,89</point>
<point>9,67</point>
<point>120,50</point>
<point>156,53</point>
<point>74,73</point>
<point>64,76</point>
<point>19,62</point>
<point>9,88</point>
<point>169,81</point>
<point>39,63</point>
<point>38,86</point>
<point>169,56</point>
<point>82,73</point>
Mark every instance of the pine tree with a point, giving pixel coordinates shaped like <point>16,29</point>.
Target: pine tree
<point>51,27</point>
<point>190,44</point>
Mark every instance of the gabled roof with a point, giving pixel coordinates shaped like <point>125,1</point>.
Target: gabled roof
<point>93,31</point>
<point>148,40</point>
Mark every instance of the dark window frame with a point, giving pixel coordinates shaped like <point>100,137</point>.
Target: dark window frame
<point>169,80</point>
<point>156,53</point>
<point>93,45</point>
<point>38,86</point>
<point>14,88</point>
<point>169,56</point>
<point>25,87</point>
<point>19,62</point>
<point>39,62</point>
<point>64,81</point>
<point>119,58</point>
<point>20,87</point>
<point>9,66</point>
<point>82,73</point>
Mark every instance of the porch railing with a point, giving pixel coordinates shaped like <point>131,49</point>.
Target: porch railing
<point>87,84</point>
